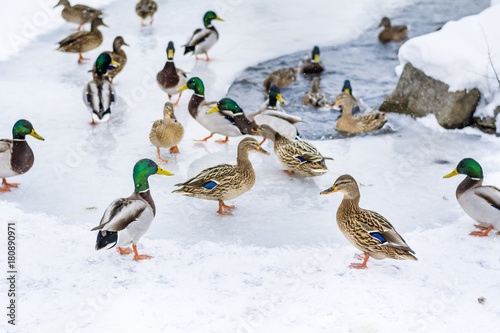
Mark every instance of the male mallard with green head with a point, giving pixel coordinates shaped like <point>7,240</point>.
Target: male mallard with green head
<point>16,156</point>
<point>170,78</point>
<point>390,33</point>
<point>126,220</point>
<point>118,56</point>
<point>167,132</point>
<point>367,230</point>
<point>202,40</point>
<point>480,202</point>
<point>145,9</point>
<point>80,14</point>
<point>224,181</point>
<point>312,65</point>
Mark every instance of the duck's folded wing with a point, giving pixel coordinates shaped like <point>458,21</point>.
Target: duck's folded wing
<point>5,145</point>
<point>278,114</point>
<point>209,178</point>
<point>490,194</point>
<point>308,152</point>
<point>199,36</point>
<point>73,38</point>
<point>120,213</point>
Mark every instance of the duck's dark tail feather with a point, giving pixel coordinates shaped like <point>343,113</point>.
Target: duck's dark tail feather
<point>106,239</point>
<point>188,49</point>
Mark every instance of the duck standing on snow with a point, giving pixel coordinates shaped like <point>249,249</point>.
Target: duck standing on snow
<point>312,65</point>
<point>315,97</point>
<point>167,132</point>
<point>145,9</point>
<point>216,123</point>
<point>126,220</point>
<point>367,230</point>
<point>171,78</point>
<point>99,94</point>
<point>298,157</point>
<point>202,40</point>
<point>481,203</point>
<point>281,77</point>
<point>80,14</point>
<point>118,56</point>
<point>224,181</point>
<point>390,33</point>
<point>360,123</point>
<point>83,41</point>
<point>16,156</point>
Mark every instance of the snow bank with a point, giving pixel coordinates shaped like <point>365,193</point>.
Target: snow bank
<point>459,55</point>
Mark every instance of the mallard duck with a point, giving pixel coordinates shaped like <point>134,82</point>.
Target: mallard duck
<point>224,181</point>
<point>83,41</point>
<point>364,122</point>
<point>80,14</point>
<point>16,156</point>
<point>126,220</point>
<point>312,65</point>
<point>145,9</point>
<point>202,40</point>
<point>298,157</point>
<point>271,102</point>
<point>481,203</point>
<point>215,122</point>
<point>118,56</point>
<point>99,94</point>
<point>315,97</point>
<point>281,77</point>
<point>395,33</point>
<point>170,78</point>
<point>167,132</point>
<point>358,104</point>
<point>367,230</point>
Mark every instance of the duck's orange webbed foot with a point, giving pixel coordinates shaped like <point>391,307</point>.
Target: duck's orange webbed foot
<point>204,140</point>
<point>124,250</point>
<point>223,141</point>
<point>288,172</point>
<point>7,185</point>
<point>138,256</point>
<point>362,265</point>
<point>223,206</point>
<point>483,233</point>
<point>174,150</point>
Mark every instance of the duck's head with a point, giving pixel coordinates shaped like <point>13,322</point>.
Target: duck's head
<point>275,95</point>
<point>196,84</point>
<point>344,100</point>
<point>250,145</point>
<point>345,184</point>
<point>386,23</point>
<point>21,128</point>
<point>209,17</point>
<point>315,54</point>
<point>347,87</point>
<point>168,111</point>
<point>118,43</point>
<point>64,3</point>
<point>227,104</point>
<point>170,50</point>
<point>315,85</point>
<point>97,22</point>
<point>468,167</point>
<point>142,170</point>
<point>104,63</point>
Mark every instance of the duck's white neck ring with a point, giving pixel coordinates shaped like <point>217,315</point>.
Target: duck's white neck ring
<point>144,191</point>
<point>18,139</point>
<point>199,95</point>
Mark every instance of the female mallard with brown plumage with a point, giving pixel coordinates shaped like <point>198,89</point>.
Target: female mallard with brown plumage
<point>359,123</point>
<point>390,33</point>
<point>80,14</point>
<point>298,157</point>
<point>83,41</point>
<point>167,132</point>
<point>145,9</point>
<point>170,78</point>
<point>281,77</point>
<point>315,97</point>
<point>312,65</point>
<point>367,230</point>
<point>224,181</point>
<point>16,156</point>
<point>118,56</point>
<point>479,201</point>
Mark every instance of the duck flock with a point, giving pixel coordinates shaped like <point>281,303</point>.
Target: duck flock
<point>126,220</point>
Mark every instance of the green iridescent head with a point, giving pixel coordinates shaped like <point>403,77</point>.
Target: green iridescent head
<point>170,50</point>
<point>103,63</point>
<point>142,170</point>
<point>227,104</point>
<point>274,95</point>
<point>468,167</point>
<point>209,17</point>
<point>196,84</point>
<point>22,128</point>
<point>315,54</point>
<point>347,87</point>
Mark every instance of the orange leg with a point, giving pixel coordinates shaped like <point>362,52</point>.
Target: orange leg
<point>204,140</point>
<point>143,24</point>
<point>81,59</point>
<point>174,150</point>
<point>123,250</point>
<point>4,189</point>
<point>222,141</point>
<point>152,19</point>
<point>5,184</point>
<point>208,59</point>
<point>161,159</point>
<point>480,227</point>
<point>197,57</point>
<point>482,234</point>
<point>178,99</point>
<point>222,211</point>
<point>362,265</point>
<point>260,144</point>
<point>288,172</point>
<point>138,256</point>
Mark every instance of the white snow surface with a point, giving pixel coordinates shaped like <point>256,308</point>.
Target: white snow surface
<point>280,263</point>
<point>464,54</point>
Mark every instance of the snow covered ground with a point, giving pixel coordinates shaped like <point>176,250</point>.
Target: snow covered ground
<point>280,263</point>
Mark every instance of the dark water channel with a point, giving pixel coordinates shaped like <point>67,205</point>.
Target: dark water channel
<point>368,64</point>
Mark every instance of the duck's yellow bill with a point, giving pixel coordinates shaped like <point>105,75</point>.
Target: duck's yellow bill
<point>316,58</point>
<point>163,172</point>
<point>36,136</point>
<point>218,18</point>
<point>280,99</point>
<point>107,26</point>
<point>184,87</point>
<point>214,109</point>
<point>114,63</point>
<point>451,174</point>
<point>262,151</point>
<point>170,54</point>
<point>336,103</point>
<point>329,190</point>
